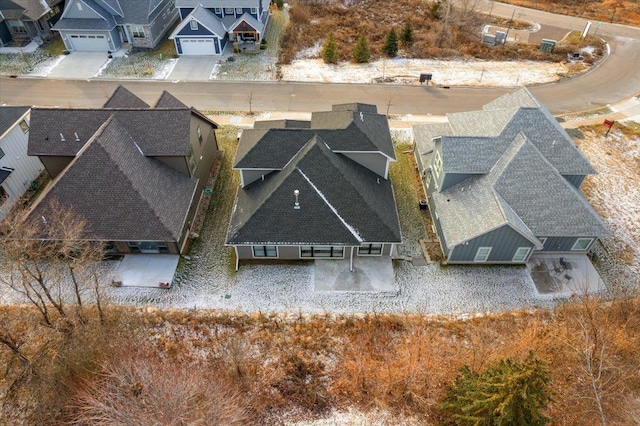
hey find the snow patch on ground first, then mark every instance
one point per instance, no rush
(165, 69)
(455, 72)
(354, 417)
(310, 52)
(44, 68)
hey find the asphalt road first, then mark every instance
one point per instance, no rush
(617, 78)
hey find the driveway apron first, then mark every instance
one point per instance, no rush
(193, 68)
(79, 65)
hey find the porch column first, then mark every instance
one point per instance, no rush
(351, 260)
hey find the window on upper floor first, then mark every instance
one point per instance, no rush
(192, 161)
(254, 10)
(437, 165)
(24, 126)
(217, 10)
(582, 244)
(199, 132)
(228, 11)
(172, 6)
(17, 26)
(238, 10)
(193, 25)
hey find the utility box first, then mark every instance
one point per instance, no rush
(547, 45)
(489, 39)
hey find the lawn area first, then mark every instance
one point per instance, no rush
(55, 47)
(402, 174)
(22, 63)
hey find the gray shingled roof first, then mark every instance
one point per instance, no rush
(114, 5)
(282, 124)
(217, 3)
(519, 98)
(84, 24)
(269, 148)
(512, 193)
(206, 18)
(423, 141)
(123, 98)
(253, 22)
(480, 123)
(341, 202)
(122, 194)
(9, 115)
(167, 100)
(33, 9)
(158, 132)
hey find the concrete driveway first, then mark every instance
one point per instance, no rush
(193, 68)
(79, 65)
(370, 274)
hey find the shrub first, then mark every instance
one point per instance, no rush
(361, 52)
(330, 51)
(391, 44)
(406, 36)
(280, 4)
(510, 393)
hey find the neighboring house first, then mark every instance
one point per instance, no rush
(17, 169)
(25, 20)
(316, 190)
(103, 25)
(135, 173)
(504, 182)
(207, 25)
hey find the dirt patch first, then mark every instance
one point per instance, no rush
(619, 11)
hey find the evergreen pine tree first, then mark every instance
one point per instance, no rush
(330, 51)
(406, 36)
(361, 53)
(391, 44)
(509, 393)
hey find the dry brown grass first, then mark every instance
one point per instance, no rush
(622, 11)
(260, 366)
(312, 21)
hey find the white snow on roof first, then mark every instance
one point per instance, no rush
(333, 209)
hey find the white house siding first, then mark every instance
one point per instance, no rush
(26, 168)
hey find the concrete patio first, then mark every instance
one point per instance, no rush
(564, 274)
(146, 270)
(370, 274)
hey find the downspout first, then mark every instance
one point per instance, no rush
(351, 260)
(237, 258)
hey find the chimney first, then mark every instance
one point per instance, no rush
(296, 206)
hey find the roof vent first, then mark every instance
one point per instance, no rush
(296, 206)
(77, 137)
(62, 139)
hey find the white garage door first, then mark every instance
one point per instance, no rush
(89, 43)
(197, 46)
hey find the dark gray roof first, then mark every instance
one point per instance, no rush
(113, 5)
(524, 191)
(123, 98)
(136, 11)
(269, 148)
(84, 24)
(122, 194)
(282, 124)
(167, 100)
(33, 9)
(341, 203)
(220, 3)
(253, 22)
(9, 115)
(158, 132)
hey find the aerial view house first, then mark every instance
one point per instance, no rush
(22, 21)
(207, 25)
(104, 25)
(504, 182)
(316, 190)
(134, 172)
(17, 169)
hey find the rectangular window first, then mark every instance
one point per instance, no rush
(192, 161)
(217, 10)
(172, 6)
(193, 25)
(199, 132)
(437, 165)
(322, 251)
(163, 248)
(521, 254)
(427, 179)
(370, 250)
(254, 10)
(17, 27)
(582, 244)
(482, 254)
(133, 246)
(24, 126)
(137, 31)
(543, 240)
(265, 251)
(238, 10)
(228, 11)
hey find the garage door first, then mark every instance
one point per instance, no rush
(89, 43)
(198, 46)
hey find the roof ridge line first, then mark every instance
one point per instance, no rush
(350, 228)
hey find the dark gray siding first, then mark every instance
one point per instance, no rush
(561, 244)
(249, 176)
(184, 12)
(188, 32)
(72, 12)
(575, 180)
(504, 242)
(55, 164)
